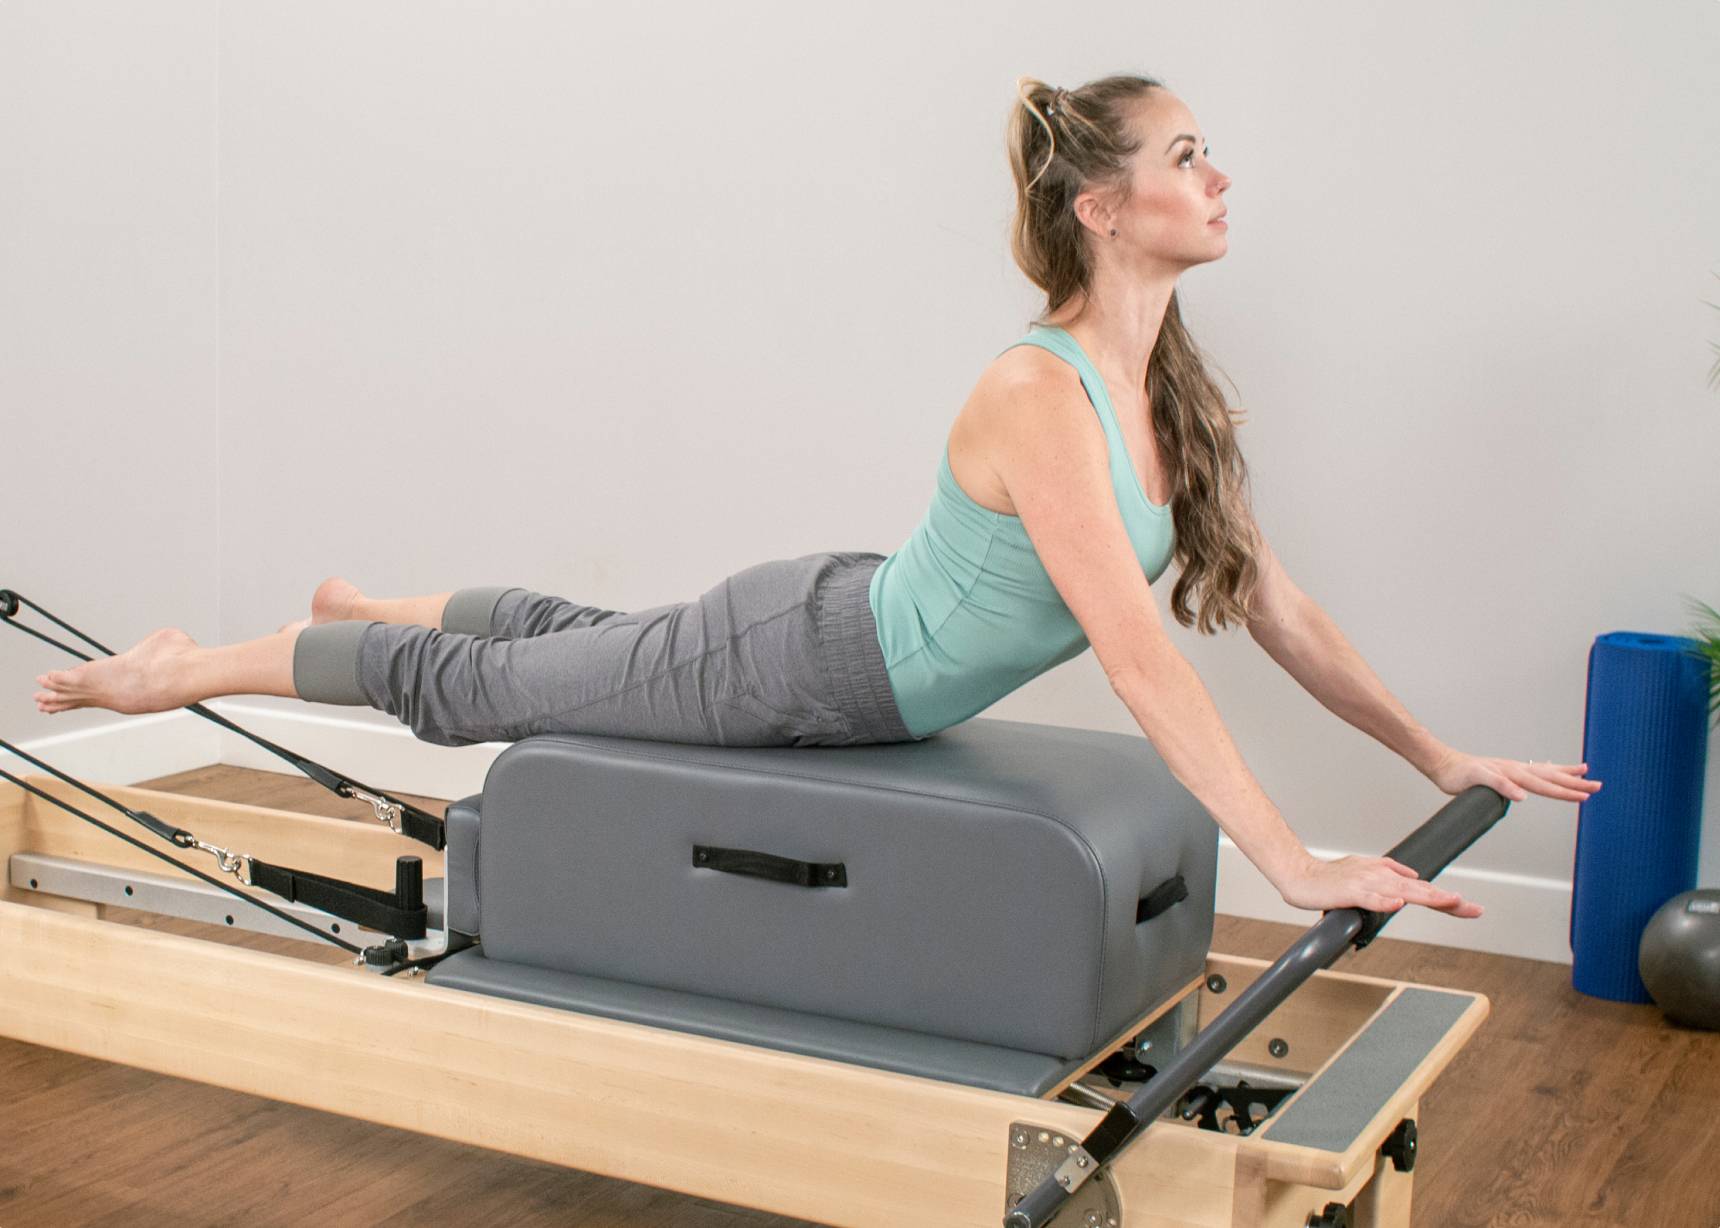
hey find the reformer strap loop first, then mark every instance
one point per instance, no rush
(386, 912)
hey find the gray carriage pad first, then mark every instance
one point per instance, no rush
(842, 1040)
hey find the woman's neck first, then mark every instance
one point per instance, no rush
(1118, 330)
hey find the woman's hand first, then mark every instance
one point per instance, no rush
(1455, 771)
(1379, 884)
(1382, 884)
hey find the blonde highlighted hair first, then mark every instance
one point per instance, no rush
(1062, 143)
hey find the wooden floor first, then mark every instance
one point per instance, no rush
(1563, 1112)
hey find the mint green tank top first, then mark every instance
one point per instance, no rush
(965, 610)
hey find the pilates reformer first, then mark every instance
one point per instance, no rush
(954, 982)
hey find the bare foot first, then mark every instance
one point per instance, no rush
(334, 601)
(145, 678)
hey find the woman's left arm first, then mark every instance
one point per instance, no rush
(1298, 635)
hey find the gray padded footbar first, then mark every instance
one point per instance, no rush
(993, 875)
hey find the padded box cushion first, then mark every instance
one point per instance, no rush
(992, 876)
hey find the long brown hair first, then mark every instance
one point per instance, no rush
(1061, 142)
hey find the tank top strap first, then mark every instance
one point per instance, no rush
(1060, 343)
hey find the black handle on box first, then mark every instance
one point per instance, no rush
(769, 866)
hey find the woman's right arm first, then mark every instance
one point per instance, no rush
(1174, 709)
(1048, 448)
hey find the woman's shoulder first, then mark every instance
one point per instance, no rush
(991, 421)
(1023, 367)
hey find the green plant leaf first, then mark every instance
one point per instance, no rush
(1707, 647)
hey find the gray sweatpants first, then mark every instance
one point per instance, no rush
(783, 653)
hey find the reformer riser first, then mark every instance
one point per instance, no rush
(704, 1116)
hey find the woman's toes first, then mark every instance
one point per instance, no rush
(51, 700)
(334, 600)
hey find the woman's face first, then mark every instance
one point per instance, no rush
(1177, 191)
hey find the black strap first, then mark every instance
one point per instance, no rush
(1171, 891)
(769, 865)
(399, 913)
(422, 827)
(419, 825)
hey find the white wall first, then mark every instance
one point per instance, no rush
(108, 330)
(613, 305)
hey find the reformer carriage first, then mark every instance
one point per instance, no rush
(954, 982)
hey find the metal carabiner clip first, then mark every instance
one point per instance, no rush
(387, 813)
(237, 864)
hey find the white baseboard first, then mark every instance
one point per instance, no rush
(1525, 916)
(125, 751)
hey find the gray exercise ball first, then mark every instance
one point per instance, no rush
(1679, 959)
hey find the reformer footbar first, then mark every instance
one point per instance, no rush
(1428, 851)
(394, 813)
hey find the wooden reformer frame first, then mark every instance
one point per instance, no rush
(686, 1112)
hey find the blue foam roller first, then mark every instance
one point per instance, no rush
(1645, 738)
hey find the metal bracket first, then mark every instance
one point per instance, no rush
(1036, 1152)
(173, 895)
(1170, 1033)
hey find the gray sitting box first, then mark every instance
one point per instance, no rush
(989, 906)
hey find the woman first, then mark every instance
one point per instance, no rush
(1090, 453)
